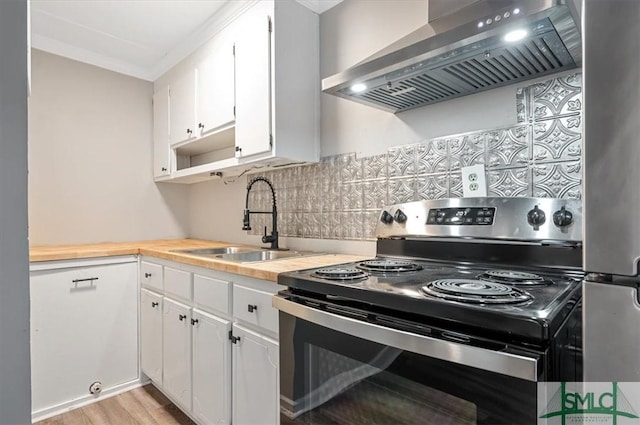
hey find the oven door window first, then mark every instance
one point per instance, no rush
(329, 377)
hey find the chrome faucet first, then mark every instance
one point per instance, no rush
(246, 224)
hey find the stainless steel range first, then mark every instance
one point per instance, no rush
(468, 304)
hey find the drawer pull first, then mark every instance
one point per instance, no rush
(147, 275)
(194, 322)
(154, 304)
(252, 308)
(89, 279)
(182, 317)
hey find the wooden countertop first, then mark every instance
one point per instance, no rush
(266, 270)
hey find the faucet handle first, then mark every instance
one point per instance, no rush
(268, 239)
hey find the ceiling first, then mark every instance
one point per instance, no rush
(141, 38)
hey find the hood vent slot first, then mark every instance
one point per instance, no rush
(461, 53)
(506, 65)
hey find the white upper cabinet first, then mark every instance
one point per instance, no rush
(230, 111)
(182, 107)
(161, 158)
(215, 99)
(253, 85)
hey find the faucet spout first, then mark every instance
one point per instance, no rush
(246, 223)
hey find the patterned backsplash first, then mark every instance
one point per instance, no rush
(341, 197)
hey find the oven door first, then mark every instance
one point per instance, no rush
(342, 370)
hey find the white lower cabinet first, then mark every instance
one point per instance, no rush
(188, 317)
(216, 381)
(84, 317)
(176, 351)
(211, 369)
(255, 378)
(151, 335)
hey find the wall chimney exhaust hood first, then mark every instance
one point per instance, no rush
(468, 46)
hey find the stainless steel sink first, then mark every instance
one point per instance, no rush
(208, 252)
(263, 255)
(241, 254)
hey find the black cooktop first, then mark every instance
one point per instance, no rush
(527, 304)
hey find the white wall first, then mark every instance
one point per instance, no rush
(90, 158)
(15, 383)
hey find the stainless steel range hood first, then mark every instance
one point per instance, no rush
(462, 50)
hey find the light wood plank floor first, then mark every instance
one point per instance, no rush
(141, 406)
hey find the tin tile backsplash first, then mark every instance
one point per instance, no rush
(341, 197)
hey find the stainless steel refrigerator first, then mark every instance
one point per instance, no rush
(611, 72)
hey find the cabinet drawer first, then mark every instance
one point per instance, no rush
(151, 275)
(254, 306)
(177, 283)
(211, 294)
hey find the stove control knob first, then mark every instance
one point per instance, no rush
(400, 217)
(386, 218)
(536, 217)
(562, 217)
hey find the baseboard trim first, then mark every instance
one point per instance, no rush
(85, 400)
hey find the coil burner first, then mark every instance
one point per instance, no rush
(475, 291)
(340, 274)
(510, 277)
(389, 266)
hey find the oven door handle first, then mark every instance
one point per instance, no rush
(513, 365)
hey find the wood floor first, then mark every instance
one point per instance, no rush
(141, 406)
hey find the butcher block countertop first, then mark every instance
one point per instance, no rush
(266, 270)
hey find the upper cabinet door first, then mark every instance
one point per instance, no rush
(161, 132)
(215, 86)
(253, 84)
(182, 108)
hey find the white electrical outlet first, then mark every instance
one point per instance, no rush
(474, 181)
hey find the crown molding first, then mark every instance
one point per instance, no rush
(216, 23)
(319, 6)
(86, 56)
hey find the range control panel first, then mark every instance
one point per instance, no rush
(461, 216)
(523, 219)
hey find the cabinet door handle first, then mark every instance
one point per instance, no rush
(252, 308)
(200, 125)
(232, 338)
(147, 275)
(189, 131)
(164, 169)
(89, 279)
(182, 317)
(154, 304)
(194, 322)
